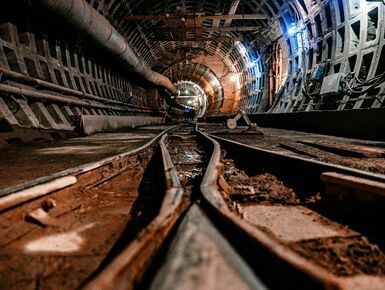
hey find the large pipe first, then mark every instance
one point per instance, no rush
(82, 16)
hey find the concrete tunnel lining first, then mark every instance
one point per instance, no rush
(120, 166)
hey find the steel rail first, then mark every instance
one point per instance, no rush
(127, 269)
(302, 272)
(79, 169)
(312, 168)
(348, 189)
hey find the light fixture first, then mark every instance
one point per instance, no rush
(234, 77)
(292, 30)
(241, 48)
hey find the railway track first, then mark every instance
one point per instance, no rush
(59, 230)
(189, 210)
(315, 218)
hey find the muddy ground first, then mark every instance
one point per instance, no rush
(87, 227)
(263, 187)
(343, 256)
(360, 154)
(280, 210)
(21, 162)
(189, 159)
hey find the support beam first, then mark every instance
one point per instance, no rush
(218, 39)
(200, 17)
(232, 11)
(209, 29)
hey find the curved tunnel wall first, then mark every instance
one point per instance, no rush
(204, 77)
(344, 39)
(55, 76)
(274, 64)
(342, 35)
(155, 52)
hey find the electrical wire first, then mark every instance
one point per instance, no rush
(352, 85)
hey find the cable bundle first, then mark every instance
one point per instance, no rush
(354, 85)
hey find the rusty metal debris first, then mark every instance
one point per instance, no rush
(42, 217)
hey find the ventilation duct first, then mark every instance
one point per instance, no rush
(82, 16)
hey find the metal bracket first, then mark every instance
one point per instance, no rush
(232, 123)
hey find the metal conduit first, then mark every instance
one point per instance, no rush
(12, 90)
(88, 21)
(60, 89)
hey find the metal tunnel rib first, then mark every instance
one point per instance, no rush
(88, 21)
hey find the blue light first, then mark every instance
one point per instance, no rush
(292, 30)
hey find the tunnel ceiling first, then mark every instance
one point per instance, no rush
(225, 36)
(156, 28)
(262, 56)
(268, 55)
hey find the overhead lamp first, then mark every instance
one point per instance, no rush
(292, 30)
(234, 77)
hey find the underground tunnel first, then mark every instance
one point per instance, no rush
(184, 144)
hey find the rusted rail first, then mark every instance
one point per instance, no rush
(351, 191)
(44, 207)
(129, 267)
(203, 214)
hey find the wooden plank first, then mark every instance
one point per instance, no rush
(355, 183)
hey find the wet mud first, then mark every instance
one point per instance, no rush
(93, 223)
(341, 151)
(189, 158)
(343, 256)
(262, 187)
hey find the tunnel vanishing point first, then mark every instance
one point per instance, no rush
(62, 59)
(185, 144)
